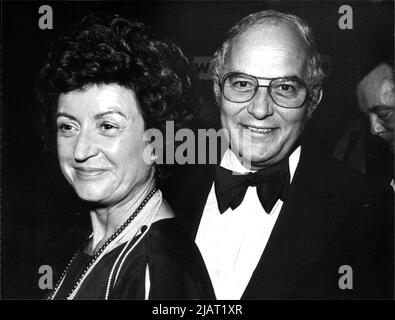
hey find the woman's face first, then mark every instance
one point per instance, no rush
(100, 142)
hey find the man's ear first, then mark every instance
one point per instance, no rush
(216, 89)
(320, 95)
(317, 97)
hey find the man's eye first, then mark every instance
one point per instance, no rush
(384, 114)
(287, 90)
(286, 87)
(242, 85)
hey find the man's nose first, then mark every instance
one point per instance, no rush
(85, 147)
(261, 105)
(376, 127)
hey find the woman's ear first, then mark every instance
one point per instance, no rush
(154, 157)
(154, 147)
(149, 152)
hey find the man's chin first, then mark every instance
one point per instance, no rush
(256, 162)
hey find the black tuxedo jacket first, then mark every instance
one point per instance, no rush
(333, 217)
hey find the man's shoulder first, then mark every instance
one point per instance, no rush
(334, 176)
(191, 179)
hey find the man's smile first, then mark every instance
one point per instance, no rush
(263, 130)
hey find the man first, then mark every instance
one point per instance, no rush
(301, 226)
(376, 99)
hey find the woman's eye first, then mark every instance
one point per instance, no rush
(66, 129)
(109, 128)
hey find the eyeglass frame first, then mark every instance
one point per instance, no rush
(226, 75)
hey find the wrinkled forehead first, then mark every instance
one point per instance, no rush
(269, 49)
(377, 88)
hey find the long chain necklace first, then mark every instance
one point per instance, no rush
(91, 264)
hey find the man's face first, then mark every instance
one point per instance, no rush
(270, 131)
(376, 98)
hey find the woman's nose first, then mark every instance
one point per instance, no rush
(85, 147)
(261, 105)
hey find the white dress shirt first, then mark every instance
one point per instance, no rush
(233, 242)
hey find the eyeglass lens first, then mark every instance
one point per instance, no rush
(287, 93)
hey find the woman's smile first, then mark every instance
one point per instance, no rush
(88, 172)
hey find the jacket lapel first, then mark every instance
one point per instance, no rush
(190, 202)
(304, 226)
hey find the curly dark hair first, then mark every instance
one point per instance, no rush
(106, 49)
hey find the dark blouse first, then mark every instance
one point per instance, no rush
(176, 269)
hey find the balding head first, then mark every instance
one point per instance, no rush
(287, 24)
(270, 40)
(376, 98)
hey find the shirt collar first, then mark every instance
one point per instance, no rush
(231, 162)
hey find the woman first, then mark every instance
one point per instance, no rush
(105, 85)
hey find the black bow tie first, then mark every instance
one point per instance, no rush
(271, 184)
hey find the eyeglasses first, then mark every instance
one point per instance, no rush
(285, 92)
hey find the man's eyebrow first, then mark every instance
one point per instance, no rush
(287, 76)
(292, 76)
(380, 107)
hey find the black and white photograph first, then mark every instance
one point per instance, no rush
(214, 151)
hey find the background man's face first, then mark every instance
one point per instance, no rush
(376, 98)
(265, 50)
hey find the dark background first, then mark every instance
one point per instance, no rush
(39, 225)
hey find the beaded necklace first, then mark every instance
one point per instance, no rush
(95, 258)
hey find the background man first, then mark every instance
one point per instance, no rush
(376, 100)
(274, 219)
(376, 97)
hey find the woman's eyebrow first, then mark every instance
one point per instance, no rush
(65, 114)
(102, 114)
